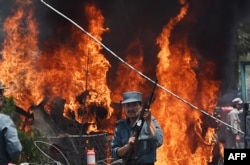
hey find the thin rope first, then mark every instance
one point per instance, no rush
(140, 73)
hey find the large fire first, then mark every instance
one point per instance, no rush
(75, 66)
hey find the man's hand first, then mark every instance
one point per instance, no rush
(131, 140)
(126, 148)
(147, 115)
(150, 124)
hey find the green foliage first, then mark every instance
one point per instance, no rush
(9, 106)
(30, 152)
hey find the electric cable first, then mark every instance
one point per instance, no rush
(140, 73)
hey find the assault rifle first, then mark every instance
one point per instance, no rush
(140, 122)
(147, 104)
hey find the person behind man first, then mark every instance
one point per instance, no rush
(10, 145)
(234, 139)
(125, 145)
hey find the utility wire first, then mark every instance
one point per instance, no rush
(140, 73)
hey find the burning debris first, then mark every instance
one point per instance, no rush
(90, 118)
(67, 77)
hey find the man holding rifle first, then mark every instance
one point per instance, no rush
(132, 146)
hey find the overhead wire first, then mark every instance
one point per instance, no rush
(139, 72)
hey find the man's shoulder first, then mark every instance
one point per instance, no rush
(2, 115)
(121, 122)
(233, 111)
(4, 118)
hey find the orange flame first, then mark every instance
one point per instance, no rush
(65, 72)
(176, 70)
(20, 47)
(77, 67)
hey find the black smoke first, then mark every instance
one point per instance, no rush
(211, 24)
(216, 38)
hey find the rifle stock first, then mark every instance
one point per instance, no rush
(140, 121)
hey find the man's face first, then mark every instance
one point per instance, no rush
(239, 106)
(132, 109)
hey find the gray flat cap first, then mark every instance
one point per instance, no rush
(132, 96)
